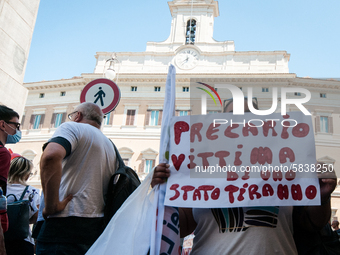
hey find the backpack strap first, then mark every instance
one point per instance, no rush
(15, 198)
(23, 193)
(118, 157)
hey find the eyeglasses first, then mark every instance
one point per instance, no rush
(71, 114)
(17, 125)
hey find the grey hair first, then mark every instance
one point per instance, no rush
(92, 112)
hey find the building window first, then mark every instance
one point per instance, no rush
(63, 93)
(148, 165)
(157, 89)
(133, 88)
(107, 119)
(323, 95)
(324, 124)
(130, 117)
(185, 89)
(191, 32)
(154, 118)
(37, 120)
(297, 94)
(211, 112)
(41, 95)
(183, 113)
(58, 119)
(265, 89)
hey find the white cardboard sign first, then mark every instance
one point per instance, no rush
(223, 160)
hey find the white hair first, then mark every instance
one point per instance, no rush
(92, 112)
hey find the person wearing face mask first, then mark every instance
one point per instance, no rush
(9, 133)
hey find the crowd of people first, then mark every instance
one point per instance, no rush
(75, 168)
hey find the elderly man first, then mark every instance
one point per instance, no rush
(76, 167)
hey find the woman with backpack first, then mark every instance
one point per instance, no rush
(17, 189)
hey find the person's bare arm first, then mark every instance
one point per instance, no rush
(186, 219)
(2, 242)
(50, 172)
(314, 218)
(34, 218)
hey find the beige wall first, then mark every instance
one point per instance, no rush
(17, 21)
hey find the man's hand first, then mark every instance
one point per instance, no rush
(160, 174)
(326, 188)
(327, 181)
(58, 208)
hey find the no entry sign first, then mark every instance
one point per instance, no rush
(103, 92)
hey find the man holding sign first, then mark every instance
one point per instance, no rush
(257, 215)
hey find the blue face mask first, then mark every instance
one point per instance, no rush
(14, 138)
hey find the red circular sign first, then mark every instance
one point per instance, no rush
(103, 92)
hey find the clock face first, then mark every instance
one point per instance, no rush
(187, 59)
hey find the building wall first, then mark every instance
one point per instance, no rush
(17, 21)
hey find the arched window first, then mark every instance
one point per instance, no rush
(191, 32)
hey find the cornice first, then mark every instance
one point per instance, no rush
(289, 79)
(62, 83)
(198, 46)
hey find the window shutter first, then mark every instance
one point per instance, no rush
(32, 120)
(63, 117)
(330, 125)
(111, 118)
(130, 117)
(317, 124)
(42, 120)
(54, 116)
(141, 166)
(160, 117)
(153, 164)
(177, 113)
(23, 121)
(147, 117)
(189, 112)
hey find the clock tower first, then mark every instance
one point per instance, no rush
(192, 24)
(193, 50)
(194, 19)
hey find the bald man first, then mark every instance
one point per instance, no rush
(76, 167)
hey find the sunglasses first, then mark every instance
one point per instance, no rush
(17, 125)
(71, 114)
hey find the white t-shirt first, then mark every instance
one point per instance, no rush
(247, 231)
(86, 171)
(17, 190)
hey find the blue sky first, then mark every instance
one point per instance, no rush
(68, 33)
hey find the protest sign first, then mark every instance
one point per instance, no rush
(223, 160)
